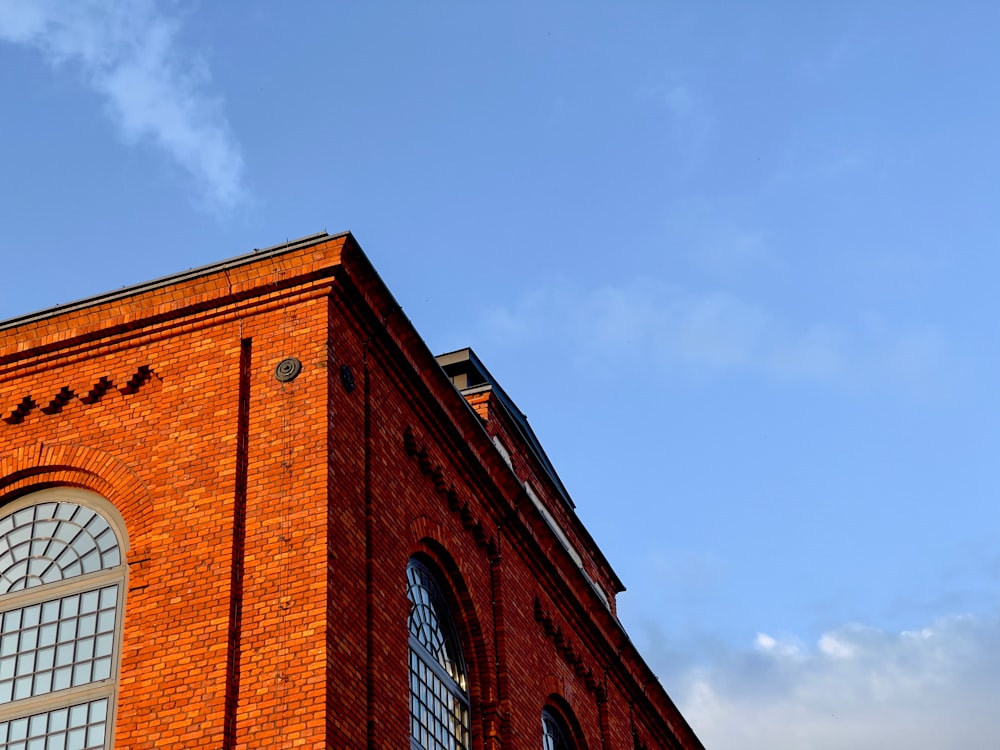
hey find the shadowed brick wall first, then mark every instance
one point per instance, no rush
(270, 523)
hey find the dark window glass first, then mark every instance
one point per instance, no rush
(439, 693)
(554, 737)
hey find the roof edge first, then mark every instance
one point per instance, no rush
(531, 440)
(192, 273)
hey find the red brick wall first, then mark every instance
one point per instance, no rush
(267, 603)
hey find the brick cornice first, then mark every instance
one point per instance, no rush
(255, 285)
(574, 656)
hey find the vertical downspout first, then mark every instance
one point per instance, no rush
(602, 711)
(233, 646)
(635, 731)
(369, 559)
(499, 641)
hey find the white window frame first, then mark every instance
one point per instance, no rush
(72, 696)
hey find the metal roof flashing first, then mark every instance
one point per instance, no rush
(470, 375)
(193, 273)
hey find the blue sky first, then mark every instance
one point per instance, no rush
(735, 261)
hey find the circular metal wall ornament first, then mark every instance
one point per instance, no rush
(287, 370)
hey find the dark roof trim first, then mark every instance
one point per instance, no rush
(518, 417)
(193, 273)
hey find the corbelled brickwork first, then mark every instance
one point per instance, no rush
(270, 522)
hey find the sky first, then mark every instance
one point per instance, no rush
(735, 261)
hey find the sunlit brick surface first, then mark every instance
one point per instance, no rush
(265, 601)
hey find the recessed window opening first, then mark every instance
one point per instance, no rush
(554, 736)
(61, 589)
(439, 689)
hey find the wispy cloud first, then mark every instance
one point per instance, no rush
(677, 98)
(856, 687)
(689, 121)
(847, 50)
(664, 326)
(127, 51)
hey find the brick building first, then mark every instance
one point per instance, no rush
(245, 507)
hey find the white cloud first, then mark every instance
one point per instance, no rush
(835, 648)
(830, 62)
(676, 97)
(126, 50)
(679, 100)
(770, 644)
(860, 688)
(765, 642)
(653, 324)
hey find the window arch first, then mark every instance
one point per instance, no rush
(554, 734)
(62, 576)
(439, 686)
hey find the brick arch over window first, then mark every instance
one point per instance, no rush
(467, 617)
(79, 466)
(560, 729)
(62, 589)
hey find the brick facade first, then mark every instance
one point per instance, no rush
(270, 523)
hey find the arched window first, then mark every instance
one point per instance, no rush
(554, 736)
(439, 689)
(62, 577)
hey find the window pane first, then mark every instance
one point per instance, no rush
(19, 729)
(43, 683)
(36, 724)
(62, 678)
(88, 601)
(78, 715)
(22, 687)
(86, 625)
(50, 611)
(106, 621)
(30, 616)
(26, 663)
(70, 606)
(104, 645)
(18, 536)
(47, 633)
(102, 669)
(29, 639)
(59, 719)
(46, 658)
